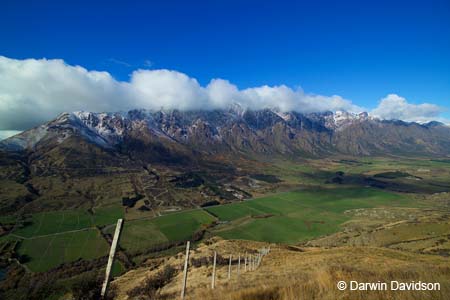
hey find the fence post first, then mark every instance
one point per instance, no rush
(245, 262)
(213, 281)
(112, 253)
(239, 265)
(186, 262)
(229, 269)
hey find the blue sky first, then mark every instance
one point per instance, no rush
(360, 50)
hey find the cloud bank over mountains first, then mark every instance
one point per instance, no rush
(33, 91)
(395, 107)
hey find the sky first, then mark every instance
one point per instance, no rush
(391, 58)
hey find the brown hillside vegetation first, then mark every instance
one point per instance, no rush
(288, 273)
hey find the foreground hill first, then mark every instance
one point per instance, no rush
(287, 273)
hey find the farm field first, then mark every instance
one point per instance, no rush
(296, 216)
(139, 235)
(46, 223)
(48, 252)
(49, 239)
(57, 237)
(426, 175)
(290, 217)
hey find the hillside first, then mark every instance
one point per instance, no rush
(399, 243)
(288, 273)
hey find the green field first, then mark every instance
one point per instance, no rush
(413, 166)
(425, 176)
(139, 235)
(48, 252)
(53, 238)
(180, 226)
(56, 237)
(60, 221)
(298, 215)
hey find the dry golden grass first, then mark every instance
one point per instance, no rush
(290, 273)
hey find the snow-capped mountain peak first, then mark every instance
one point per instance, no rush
(265, 131)
(342, 119)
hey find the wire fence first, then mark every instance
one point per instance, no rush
(239, 262)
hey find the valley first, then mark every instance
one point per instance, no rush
(312, 203)
(264, 178)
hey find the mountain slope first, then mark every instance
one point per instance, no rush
(287, 272)
(176, 133)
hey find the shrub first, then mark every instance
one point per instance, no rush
(151, 285)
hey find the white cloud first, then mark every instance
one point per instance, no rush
(33, 91)
(168, 89)
(396, 107)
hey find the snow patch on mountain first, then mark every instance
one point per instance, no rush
(342, 119)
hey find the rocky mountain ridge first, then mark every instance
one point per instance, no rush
(244, 131)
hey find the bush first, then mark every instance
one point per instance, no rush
(87, 287)
(149, 289)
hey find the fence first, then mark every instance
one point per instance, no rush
(251, 263)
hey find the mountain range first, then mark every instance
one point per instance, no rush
(178, 135)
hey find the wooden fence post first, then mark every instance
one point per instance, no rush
(245, 262)
(229, 269)
(239, 265)
(185, 272)
(112, 253)
(213, 281)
